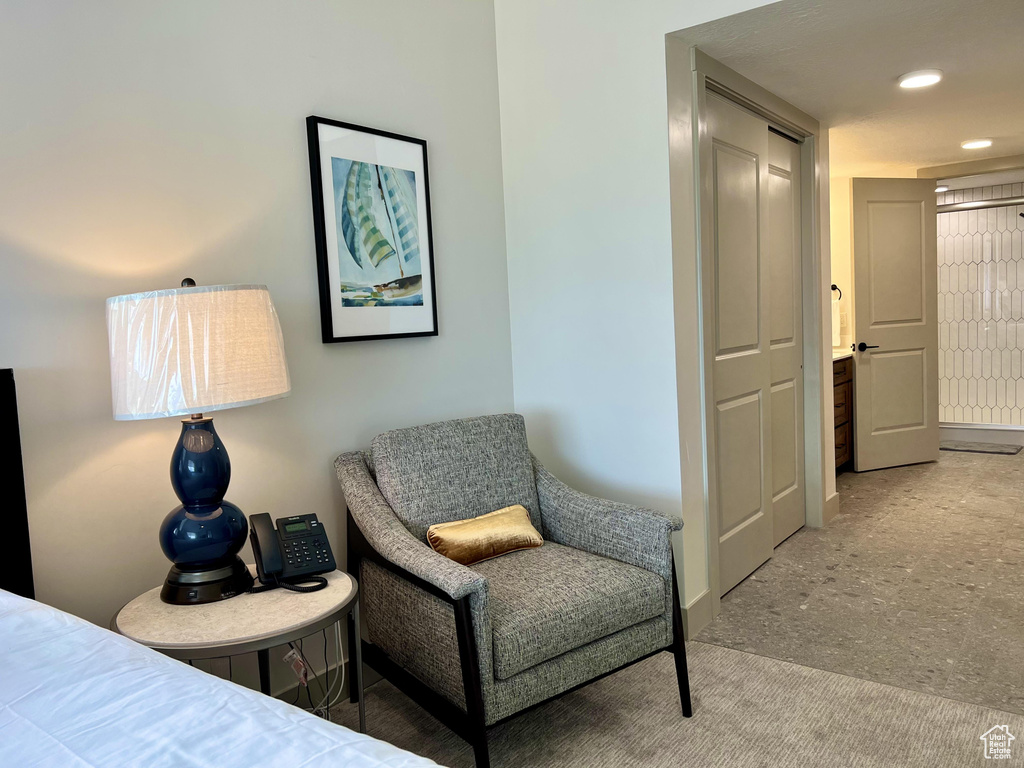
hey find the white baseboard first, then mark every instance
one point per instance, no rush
(831, 508)
(697, 615)
(983, 433)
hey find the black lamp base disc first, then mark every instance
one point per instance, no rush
(197, 587)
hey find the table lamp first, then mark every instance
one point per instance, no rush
(185, 352)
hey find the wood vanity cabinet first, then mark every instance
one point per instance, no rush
(842, 398)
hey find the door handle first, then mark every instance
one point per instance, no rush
(862, 346)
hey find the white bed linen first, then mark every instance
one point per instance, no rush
(75, 695)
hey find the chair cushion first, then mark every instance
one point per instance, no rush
(547, 601)
(455, 470)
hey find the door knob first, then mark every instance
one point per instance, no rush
(862, 346)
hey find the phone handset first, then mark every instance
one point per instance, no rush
(266, 547)
(270, 568)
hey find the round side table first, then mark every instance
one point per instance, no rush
(246, 623)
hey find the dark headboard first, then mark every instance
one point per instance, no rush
(15, 555)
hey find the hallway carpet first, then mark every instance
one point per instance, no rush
(749, 711)
(919, 583)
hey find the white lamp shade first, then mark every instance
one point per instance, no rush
(194, 350)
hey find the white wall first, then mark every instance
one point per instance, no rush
(841, 213)
(587, 209)
(145, 142)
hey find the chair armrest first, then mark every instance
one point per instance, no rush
(391, 540)
(630, 534)
(420, 620)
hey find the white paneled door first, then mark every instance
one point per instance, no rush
(896, 385)
(752, 317)
(785, 327)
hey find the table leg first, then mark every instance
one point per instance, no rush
(358, 681)
(263, 658)
(353, 694)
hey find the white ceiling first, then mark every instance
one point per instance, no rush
(839, 60)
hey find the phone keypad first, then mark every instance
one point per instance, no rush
(307, 552)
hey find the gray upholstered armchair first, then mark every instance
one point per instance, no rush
(475, 645)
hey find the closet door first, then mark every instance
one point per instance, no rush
(785, 326)
(738, 319)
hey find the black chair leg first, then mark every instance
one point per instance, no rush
(683, 678)
(481, 755)
(679, 649)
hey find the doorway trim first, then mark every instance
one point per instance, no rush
(692, 210)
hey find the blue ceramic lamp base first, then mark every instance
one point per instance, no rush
(203, 536)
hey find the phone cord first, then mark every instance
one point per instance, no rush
(318, 583)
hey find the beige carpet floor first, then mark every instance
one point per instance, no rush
(748, 711)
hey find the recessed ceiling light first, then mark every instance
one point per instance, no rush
(976, 144)
(922, 78)
(941, 188)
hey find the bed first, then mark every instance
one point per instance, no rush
(75, 695)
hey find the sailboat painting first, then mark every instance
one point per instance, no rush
(378, 235)
(371, 219)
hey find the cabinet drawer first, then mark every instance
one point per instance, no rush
(843, 434)
(842, 401)
(842, 371)
(842, 405)
(839, 396)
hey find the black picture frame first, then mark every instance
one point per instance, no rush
(328, 324)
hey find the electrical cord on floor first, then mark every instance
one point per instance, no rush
(298, 690)
(310, 668)
(330, 697)
(323, 708)
(327, 675)
(339, 667)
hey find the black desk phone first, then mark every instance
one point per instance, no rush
(292, 553)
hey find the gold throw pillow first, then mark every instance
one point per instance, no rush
(486, 536)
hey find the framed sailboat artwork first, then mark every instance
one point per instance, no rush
(371, 218)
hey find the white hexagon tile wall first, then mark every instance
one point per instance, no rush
(981, 310)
